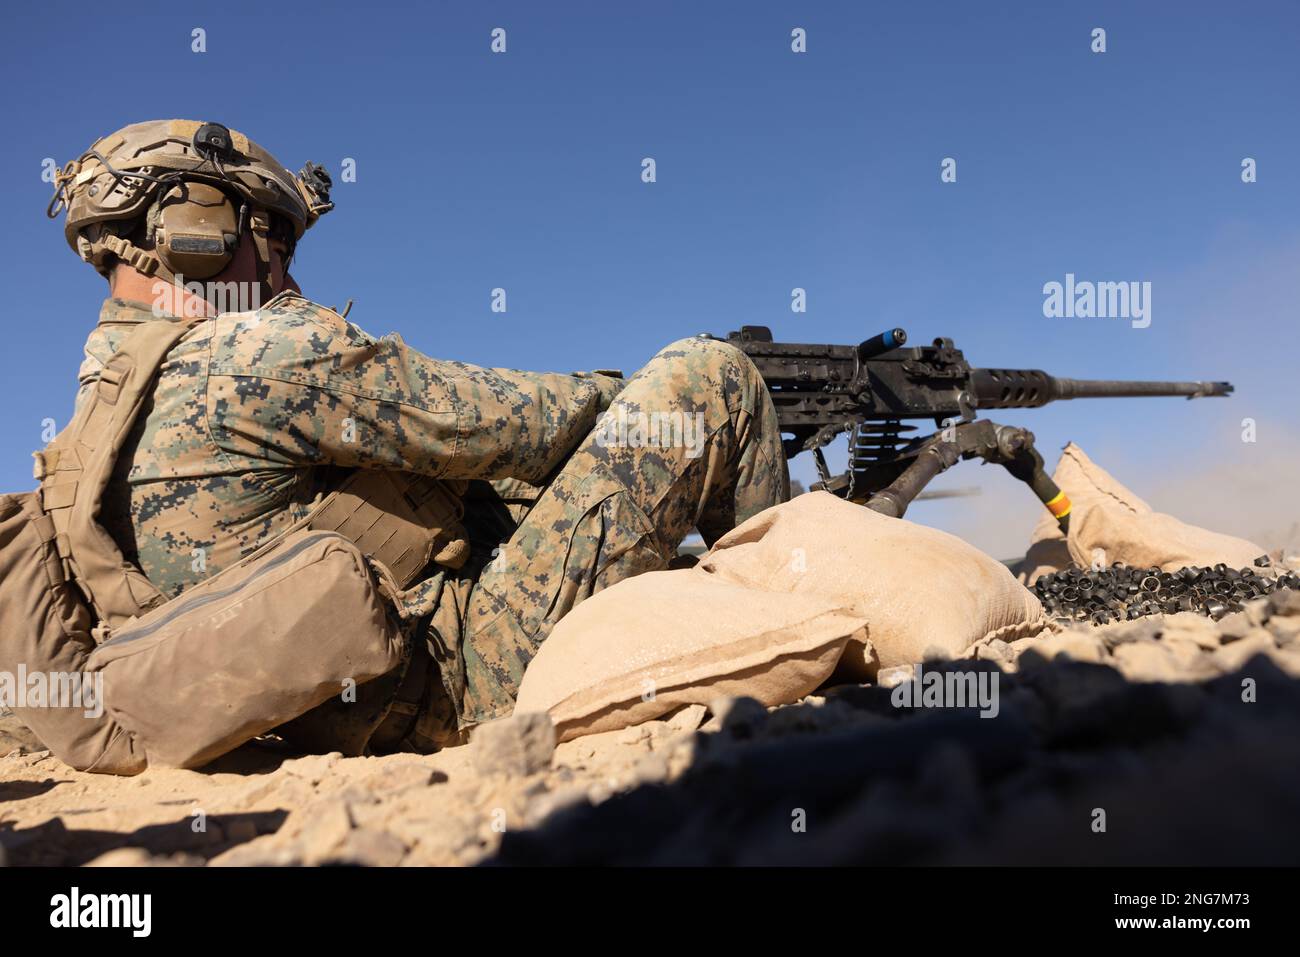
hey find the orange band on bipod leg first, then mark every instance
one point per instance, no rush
(1059, 506)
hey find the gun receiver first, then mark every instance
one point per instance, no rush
(821, 391)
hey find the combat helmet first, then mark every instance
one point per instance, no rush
(172, 197)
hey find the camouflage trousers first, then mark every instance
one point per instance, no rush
(690, 442)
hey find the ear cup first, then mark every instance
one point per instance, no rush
(197, 231)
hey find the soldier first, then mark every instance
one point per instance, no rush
(546, 487)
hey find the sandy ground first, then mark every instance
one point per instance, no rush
(1147, 719)
(260, 806)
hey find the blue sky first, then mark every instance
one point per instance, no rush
(774, 170)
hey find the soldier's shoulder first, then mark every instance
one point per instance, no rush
(289, 324)
(295, 307)
(283, 315)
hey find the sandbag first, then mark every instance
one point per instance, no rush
(920, 589)
(1110, 523)
(45, 642)
(252, 647)
(773, 611)
(651, 644)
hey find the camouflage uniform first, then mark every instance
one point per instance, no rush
(255, 415)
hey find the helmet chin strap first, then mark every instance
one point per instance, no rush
(259, 224)
(138, 259)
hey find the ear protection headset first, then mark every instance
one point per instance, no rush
(196, 230)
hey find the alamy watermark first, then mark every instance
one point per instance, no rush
(130, 911)
(53, 689)
(949, 689)
(191, 297)
(1098, 300)
(621, 427)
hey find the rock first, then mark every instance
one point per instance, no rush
(1190, 626)
(599, 792)
(398, 776)
(313, 769)
(1060, 686)
(1234, 627)
(682, 753)
(239, 830)
(1076, 644)
(1232, 657)
(552, 802)
(370, 848)
(264, 852)
(356, 795)
(634, 735)
(1017, 648)
(16, 736)
(584, 749)
(688, 718)
(518, 745)
(1123, 632)
(319, 828)
(995, 650)
(1285, 601)
(1032, 660)
(805, 718)
(651, 769)
(139, 857)
(1148, 661)
(1187, 652)
(30, 759)
(895, 676)
(741, 716)
(1257, 611)
(1284, 630)
(1288, 659)
(278, 790)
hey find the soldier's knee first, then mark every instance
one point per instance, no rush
(705, 375)
(716, 359)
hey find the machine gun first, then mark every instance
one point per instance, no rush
(867, 390)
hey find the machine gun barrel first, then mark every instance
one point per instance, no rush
(1031, 388)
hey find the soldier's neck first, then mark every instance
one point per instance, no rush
(165, 298)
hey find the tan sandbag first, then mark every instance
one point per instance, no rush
(919, 588)
(653, 643)
(254, 646)
(1110, 523)
(1087, 487)
(772, 611)
(1089, 484)
(1153, 540)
